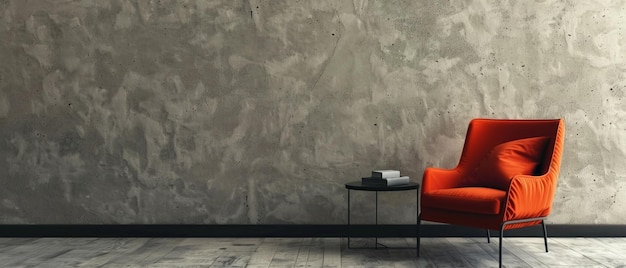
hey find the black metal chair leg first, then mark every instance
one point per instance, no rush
(545, 234)
(543, 224)
(500, 250)
(488, 236)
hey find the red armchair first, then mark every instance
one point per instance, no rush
(505, 179)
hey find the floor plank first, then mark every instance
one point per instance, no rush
(309, 252)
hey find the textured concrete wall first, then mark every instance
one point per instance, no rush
(232, 111)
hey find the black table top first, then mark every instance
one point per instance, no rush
(357, 185)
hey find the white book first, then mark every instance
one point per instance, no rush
(397, 181)
(386, 173)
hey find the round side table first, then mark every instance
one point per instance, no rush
(359, 186)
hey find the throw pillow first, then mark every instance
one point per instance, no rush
(508, 159)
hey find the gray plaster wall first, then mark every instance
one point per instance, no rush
(258, 112)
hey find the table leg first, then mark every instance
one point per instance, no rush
(376, 221)
(349, 229)
(418, 221)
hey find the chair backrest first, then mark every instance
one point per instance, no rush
(484, 134)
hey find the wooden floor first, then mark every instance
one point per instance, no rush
(307, 252)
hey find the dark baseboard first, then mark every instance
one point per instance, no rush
(296, 230)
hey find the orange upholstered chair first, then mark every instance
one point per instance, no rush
(505, 179)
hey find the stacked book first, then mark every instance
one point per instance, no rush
(385, 178)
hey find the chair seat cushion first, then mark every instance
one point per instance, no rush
(466, 199)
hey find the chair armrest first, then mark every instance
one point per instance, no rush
(439, 178)
(530, 196)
